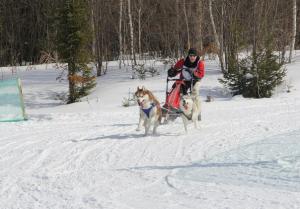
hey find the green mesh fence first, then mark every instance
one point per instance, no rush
(11, 101)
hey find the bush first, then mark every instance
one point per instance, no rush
(140, 71)
(255, 76)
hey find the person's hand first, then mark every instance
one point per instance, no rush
(172, 72)
(171, 69)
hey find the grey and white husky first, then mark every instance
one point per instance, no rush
(190, 106)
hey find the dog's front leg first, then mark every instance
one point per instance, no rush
(155, 125)
(195, 120)
(185, 121)
(147, 127)
(141, 122)
(198, 104)
(196, 123)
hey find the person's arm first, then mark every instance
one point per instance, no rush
(173, 71)
(199, 72)
(179, 64)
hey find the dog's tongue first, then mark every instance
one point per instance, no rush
(186, 107)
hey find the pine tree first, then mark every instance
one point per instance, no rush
(255, 76)
(73, 37)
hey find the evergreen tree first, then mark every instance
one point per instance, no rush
(73, 39)
(255, 76)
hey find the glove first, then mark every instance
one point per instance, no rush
(172, 72)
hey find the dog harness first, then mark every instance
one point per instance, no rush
(189, 117)
(147, 111)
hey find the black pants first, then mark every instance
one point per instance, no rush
(186, 88)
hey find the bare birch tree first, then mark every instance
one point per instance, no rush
(293, 40)
(217, 41)
(140, 27)
(120, 34)
(131, 33)
(198, 25)
(186, 24)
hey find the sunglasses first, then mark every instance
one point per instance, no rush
(192, 55)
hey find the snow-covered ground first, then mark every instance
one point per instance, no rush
(246, 153)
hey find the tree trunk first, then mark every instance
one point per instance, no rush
(71, 70)
(254, 40)
(140, 28)
(178, 49)
(98, 17)
(213, 23)
(222, 37)
(220, 52)
(198, 25)
(131, 34)
(187, 25)
(98, 54)
(120, 34)
(293, 40)
(92, 19)
(95, 29)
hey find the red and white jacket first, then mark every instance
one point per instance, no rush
(198, 71)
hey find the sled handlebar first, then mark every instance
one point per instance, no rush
(177, 79)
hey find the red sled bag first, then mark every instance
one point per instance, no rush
(173, 96)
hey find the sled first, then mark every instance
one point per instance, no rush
(171, 108)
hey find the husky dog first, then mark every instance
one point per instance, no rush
(190, 110)
(150, 111)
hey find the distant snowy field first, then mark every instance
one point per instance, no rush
(246, 153)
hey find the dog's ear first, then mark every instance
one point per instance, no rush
(139, 88)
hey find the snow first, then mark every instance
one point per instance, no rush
(88, 155)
